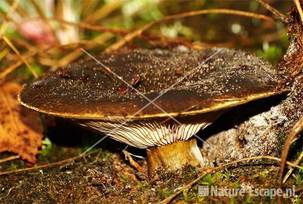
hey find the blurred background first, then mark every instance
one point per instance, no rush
(38, 35)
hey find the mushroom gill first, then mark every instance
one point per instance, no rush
(146, 134)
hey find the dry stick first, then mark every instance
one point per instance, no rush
(298, 127)
(20, 56)
(9, 158)
(139, 31)
(214, 169)
(298, 5)
(274, 11)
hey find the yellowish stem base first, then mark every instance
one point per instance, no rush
(174, 156)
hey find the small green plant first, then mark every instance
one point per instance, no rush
(46, 147)
(271, 53)
(164, 192)
(299, 177)
(297, 200)
(207, 180)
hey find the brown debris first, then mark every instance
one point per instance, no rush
(20, 129)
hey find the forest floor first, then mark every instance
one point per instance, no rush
(105, 176)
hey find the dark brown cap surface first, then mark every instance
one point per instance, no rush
(216, 78)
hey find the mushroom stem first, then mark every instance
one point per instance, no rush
(174, 156)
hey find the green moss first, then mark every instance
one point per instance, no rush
(164, 192)
(272, 53)
(46, 147)
(297, 200)
(299, 178)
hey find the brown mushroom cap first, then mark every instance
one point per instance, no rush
(221, 78)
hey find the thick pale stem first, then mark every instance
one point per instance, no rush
(174, 156)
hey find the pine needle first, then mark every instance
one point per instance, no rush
(295, 131)
(299, 8)
(10, 44)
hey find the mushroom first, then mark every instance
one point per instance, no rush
(154, 99)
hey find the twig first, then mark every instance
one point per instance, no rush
(295, 131)
(58, 163)
(214, 169)
(274, 11)
(8, 192)
(9, 158)
(123, 32)
(299, 8)
(133, 162)
(139, 31)
(184, 188)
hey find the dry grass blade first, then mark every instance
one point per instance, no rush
(12, 9)
(185, 188)
(3, 53)
(139, 31)
(298, 160)
(75, 53)
(48, 165)
(20, 56)
(91, 26)
(295, 131)
(42, 15)
(123, 32)
(274, 11)
(104, 11)
(38, 9)
(134, 163)
(63, 61)
(215, 169)
(41, 166)
(299, 8)
(9, 158)
(13, 67)
(69, 57)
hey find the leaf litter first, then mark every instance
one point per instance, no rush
(20, 129)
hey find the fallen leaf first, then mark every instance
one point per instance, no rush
(20, 129)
